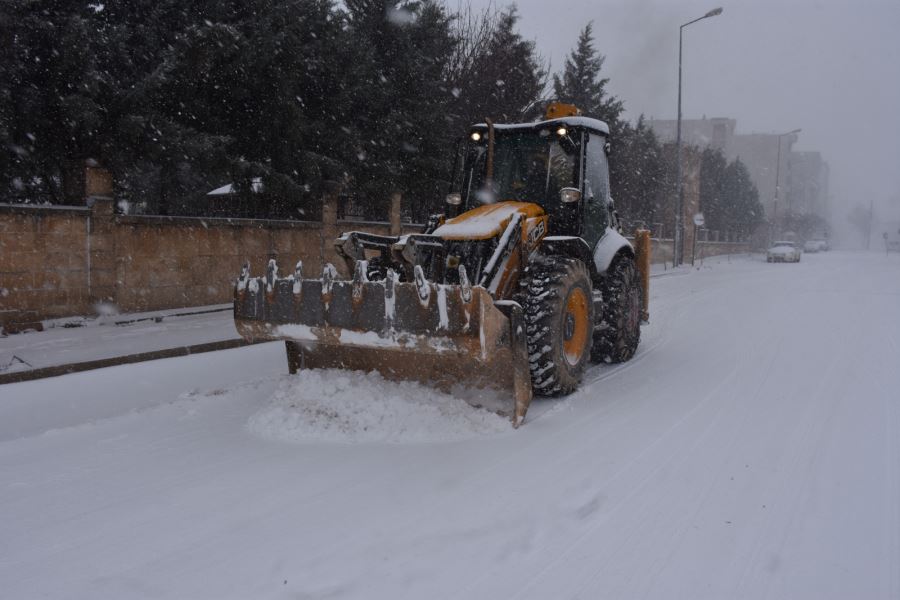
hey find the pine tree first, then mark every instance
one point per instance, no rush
(499, 74)
(582, 85)
(164, 58)
(715, 202)
(394, 98)
(744, 210)
(728, 198)
(49, 109)
(637, 173)
(211, 92)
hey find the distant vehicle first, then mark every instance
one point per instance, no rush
(811, 246)
(823, 245)
(784, 251)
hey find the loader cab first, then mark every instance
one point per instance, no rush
(559, 164)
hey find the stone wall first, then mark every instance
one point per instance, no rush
(662, 250)
(65, 261)
(164, 262)
(45, 267)
(710, 249)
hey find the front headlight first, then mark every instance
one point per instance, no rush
(569, 195)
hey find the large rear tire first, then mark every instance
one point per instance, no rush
(617, 337)
(559, 317)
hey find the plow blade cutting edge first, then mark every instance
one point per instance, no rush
(441, 335)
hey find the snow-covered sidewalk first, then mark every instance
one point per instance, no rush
(81, 341)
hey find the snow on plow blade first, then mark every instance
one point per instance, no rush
(441, 335)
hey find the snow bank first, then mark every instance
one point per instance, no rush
(356, 407)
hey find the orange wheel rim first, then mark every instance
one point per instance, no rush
(575, 326)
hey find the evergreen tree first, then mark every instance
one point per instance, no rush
(217, 92)
(715, 202)
(393, 97)
(49, 108)
(728, 198)
(744, 210)
(495, 72)
(637, 174)
(582, 85)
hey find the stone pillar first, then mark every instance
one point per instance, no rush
(330, 229)
(642, 258)
(396, 199)
(97, 182)
(101, 250)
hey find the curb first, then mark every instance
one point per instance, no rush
(57, 370)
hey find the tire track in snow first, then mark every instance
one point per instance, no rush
(802, 453)
(587, 421)
(600, 372)
(539, 442)
(677, 538)
(806, 454)
(628, 467)
(891, 540)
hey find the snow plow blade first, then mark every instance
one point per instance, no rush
(441, 335)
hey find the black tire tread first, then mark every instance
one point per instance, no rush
(613, 341)
(542, 290)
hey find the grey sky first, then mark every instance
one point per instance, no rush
(830, 67)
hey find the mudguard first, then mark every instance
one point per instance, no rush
(609, 245)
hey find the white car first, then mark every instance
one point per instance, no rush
(812, 246)
(783, 251)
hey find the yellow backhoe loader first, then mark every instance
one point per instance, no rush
(521, 283)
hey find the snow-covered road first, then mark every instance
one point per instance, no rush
(750, 450)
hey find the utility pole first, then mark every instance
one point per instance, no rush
(679, 200)
(869, 224)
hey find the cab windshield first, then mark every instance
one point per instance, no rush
(529, 166)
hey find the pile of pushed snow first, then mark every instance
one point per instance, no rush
(353, 407)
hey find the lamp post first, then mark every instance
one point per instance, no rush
(777, 182)
(679, 208)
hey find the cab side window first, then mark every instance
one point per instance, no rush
(596, 189)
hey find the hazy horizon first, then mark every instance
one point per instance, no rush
(822, 66)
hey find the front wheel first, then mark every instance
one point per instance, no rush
(559, 317)
(617, 336)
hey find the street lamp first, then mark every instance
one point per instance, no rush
(778, 180)
(679, 209)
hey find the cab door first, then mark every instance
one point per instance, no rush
(596, 189)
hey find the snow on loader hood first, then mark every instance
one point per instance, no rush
(486, 221)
